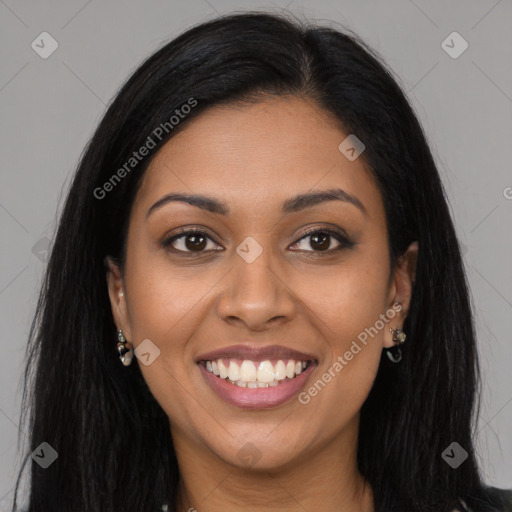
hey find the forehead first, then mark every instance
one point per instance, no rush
(257, 154)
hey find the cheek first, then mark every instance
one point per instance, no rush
(168, 305)
(344, 380)
(347, 306)
(164, 299)
(349, 297)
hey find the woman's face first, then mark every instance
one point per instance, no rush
(258, 288)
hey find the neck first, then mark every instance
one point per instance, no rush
(325, 478)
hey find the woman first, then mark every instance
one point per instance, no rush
(255, 299)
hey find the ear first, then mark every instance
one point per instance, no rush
(400, 290)
(115, 283)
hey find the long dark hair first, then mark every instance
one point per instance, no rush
(113, 440)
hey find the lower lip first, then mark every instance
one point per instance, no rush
(257, 398)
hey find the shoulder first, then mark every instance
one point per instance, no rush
(500, 499)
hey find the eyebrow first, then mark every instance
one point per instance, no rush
(295, 204)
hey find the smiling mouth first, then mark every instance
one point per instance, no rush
(256, 374)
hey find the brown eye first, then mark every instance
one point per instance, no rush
(190, 241)
(320, 241)
(195, 242)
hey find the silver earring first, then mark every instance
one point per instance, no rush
(395, 354)
(125, 349)
(399, 336)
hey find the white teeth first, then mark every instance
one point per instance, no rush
(290, 369)
(256, 375)
(223, 371)
(265, 372)
(233, 371)
(248, 371)
(280, 370)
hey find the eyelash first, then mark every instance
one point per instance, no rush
(344, 241)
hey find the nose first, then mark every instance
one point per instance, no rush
(255, 295)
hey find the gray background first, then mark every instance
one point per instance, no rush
(50, 107)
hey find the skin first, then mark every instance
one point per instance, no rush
(253, 157)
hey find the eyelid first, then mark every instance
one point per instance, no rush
(187, 231)
(339, 234)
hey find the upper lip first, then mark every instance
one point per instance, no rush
(255, 353)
